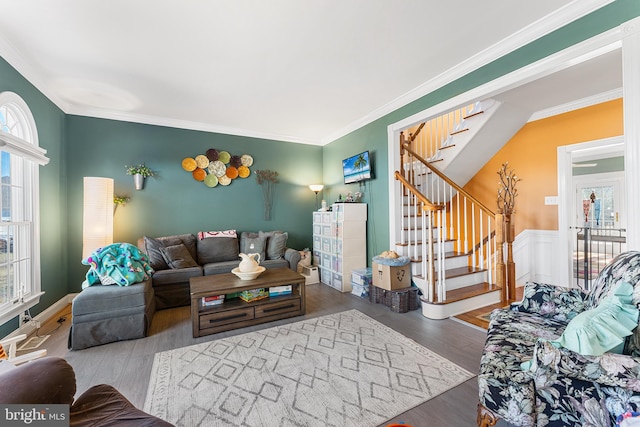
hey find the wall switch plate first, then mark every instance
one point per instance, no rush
(550, 200)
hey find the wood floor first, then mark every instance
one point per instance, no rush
(127, 365)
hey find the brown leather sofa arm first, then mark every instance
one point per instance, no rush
(49, 380)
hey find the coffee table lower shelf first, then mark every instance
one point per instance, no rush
(237, 313)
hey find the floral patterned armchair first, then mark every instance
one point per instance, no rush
(561, 387)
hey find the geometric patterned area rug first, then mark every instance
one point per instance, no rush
(344, 369)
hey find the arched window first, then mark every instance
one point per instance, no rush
(20, 158)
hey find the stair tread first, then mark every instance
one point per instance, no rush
(466, 292)
(413, 243)
(458, 272)
(447, 255)
(462, 271)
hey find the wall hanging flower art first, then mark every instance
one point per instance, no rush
(218, 167)
(266, 179)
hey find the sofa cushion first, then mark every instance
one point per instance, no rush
(152, 248)
(224, 233)
(253, 243)
(217, 249)
(276, 243)
(172, 277)
(623, 268)
(603, 328)
(109, 298)
(219, 267)
(177, 256)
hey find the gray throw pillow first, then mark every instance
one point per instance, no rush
(276, 243)
(153, 247)
(217, 249)
(251, 243)
(178, 256)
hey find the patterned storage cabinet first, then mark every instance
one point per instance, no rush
(340, 243)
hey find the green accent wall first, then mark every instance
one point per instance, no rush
(610, 164)
(50, 122)
(172, 202)
(374, 135)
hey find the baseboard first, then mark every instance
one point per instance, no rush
(47, 314)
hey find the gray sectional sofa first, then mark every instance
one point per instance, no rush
(178, 258)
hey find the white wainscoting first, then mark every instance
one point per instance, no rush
(537, 257)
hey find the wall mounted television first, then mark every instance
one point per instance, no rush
(357, 168)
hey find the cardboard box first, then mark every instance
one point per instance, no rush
(389, 278)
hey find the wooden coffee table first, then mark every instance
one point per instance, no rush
(237, 313)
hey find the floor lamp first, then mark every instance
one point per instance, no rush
(97, 214)
(316, 188)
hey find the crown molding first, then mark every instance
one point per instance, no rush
(576, 105)
(30, 73)
(563, 16)
(526, 35)
(183, 124)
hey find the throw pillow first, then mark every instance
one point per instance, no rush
(178, 256)
(217, 249)
(252, 243)
(276, 243)
(156, 260)
(603, 328)
(225, 233)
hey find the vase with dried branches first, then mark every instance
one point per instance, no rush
(266, 179)
(507, 191)
(505, 231)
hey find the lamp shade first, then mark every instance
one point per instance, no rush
(97, 214)
(316, 187)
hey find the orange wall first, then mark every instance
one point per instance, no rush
(532, 154)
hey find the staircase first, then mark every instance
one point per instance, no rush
(455, 243)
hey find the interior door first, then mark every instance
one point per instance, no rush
(599, 223)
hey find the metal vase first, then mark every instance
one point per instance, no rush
(138, 181)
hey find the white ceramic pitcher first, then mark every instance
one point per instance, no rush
(249, 263)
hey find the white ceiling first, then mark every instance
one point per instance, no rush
(302, 71)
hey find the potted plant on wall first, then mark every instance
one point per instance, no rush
(139, 172)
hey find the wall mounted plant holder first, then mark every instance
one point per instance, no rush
(138, 181)
(218, 167)
(139, 172)
(119, 201)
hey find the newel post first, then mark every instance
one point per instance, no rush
(511, 265)
(500, 266)
(507, 193)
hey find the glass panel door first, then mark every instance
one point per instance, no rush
(598, 224)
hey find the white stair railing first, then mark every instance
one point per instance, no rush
(431, 137)
(453, 223)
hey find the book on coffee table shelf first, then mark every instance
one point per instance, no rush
(254, 294)
(212, 300)
(280, 290)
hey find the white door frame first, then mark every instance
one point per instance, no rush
(567, 155)
(625, 36)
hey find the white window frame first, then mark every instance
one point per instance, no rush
(23, 143)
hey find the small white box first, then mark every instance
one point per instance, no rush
(311, 275)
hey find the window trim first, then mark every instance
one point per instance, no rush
(27, 149)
